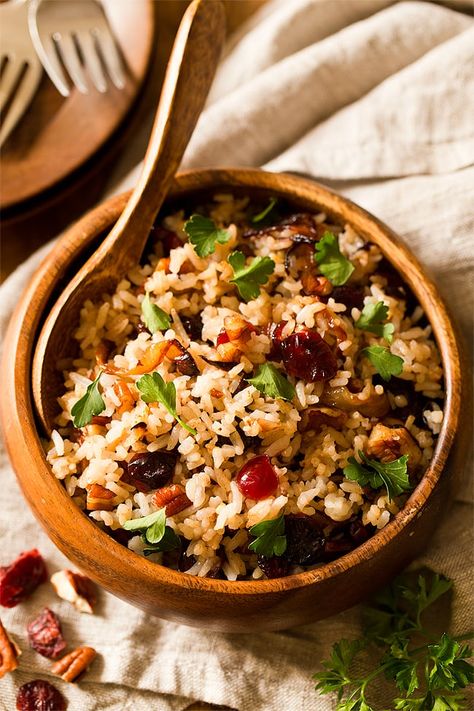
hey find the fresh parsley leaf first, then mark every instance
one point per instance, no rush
(169, 541)
(154, 318)
(438, 670)
(154, 389)
(248, 279)
(272, 383)
(265, 212)
(204, 234)
(372, 319)
(331, 262)
(155, 532)
(145, 522)
(89, 405)
(270, 537)
(384, 362)
(392, 475)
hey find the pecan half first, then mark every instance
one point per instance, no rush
(100, 499)
(173, 497)
(73, 664)
(75, 588)
(9, 653)
(390, 443)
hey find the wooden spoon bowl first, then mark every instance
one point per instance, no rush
(241, 606)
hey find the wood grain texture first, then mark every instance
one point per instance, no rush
(58, 135)
(189, 76)
(241, 606)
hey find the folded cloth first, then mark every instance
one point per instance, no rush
(375, 100)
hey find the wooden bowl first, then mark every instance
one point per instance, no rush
(241, 606)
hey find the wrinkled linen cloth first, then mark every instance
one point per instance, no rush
(374, 99)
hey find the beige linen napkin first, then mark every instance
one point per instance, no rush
(375, 100)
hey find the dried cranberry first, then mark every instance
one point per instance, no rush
(193, 326)
(39, 695)
(358, 532)
(45, 634)
(151, 470)
(168, 239)
(21, 578)
(304, 540)
(305, 355)
(222, 337)
(275, 567)
(257, 479)
(350, 296)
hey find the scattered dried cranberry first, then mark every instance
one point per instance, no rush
(45, 634)
(350, 296)
(304, 540)
(151, 470)
(21, 578)
(257, 479)
(193, 326)
(275, 567)
(305, 355)
(39, 695)
(168, 239)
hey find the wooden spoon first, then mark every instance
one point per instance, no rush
(189, 75)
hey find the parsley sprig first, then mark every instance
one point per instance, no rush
(372, 319)
(385, 363)
(90, 404)
(156, 536)
(392, 475)
(270, 537)
(154, 389)
(260, 217)
(427, 677)
(332, 263)
(272, 383)
(248, 278)
(154, 318)
(204, 234)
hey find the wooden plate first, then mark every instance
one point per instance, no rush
(58, 135)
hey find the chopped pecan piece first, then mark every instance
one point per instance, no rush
(173, 497)
(103, 351)
(75, 588)
(9, 652)
(163, 265)
(101, 420)
(125, 395)
(185, 363)
(389, 443)
(73, 664)
(100, 499)
(315, 417)
(373, 405)
(45, 634)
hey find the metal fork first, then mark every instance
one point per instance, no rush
(75, 34)
(20, 67)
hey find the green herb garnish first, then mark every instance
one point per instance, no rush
(271, 539)
(265, 212)
(154, 389)
(168, 542)
(385, 363)
(154, 318)
(204, 234)
(89, 405)
(271, 382)
(372, 319)
(428, 673)
(392, 475)
(248, 279)
(331, 262)
(155, 521)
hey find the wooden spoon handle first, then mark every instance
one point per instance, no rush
(189, 76)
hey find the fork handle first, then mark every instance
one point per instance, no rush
(189, 76)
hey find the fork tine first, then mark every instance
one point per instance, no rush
(9, 78)
(92, 61)
(68, 51)
(19, 103)
(52, 65)
(110, 55)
